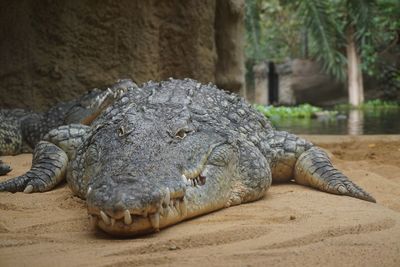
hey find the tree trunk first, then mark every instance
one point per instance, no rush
(354, 75)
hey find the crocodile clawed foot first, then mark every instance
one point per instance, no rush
(48, 169)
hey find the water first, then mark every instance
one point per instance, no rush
(353, 122)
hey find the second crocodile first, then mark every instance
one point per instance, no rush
(21, 130)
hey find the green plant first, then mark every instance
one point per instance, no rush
(335, 32)
(370, 105)
(306, 111)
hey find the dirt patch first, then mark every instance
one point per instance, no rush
(382, 151)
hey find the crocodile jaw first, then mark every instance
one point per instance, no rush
(140, 224)
(201, 196)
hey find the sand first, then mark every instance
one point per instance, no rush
(291, 226)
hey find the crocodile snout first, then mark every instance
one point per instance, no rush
(131, 211)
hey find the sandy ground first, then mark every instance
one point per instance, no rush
(291, 226)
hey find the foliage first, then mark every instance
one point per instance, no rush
(384, 35)
(252, 23)
(329, 23)
(272, 31)
(377, 103)
(276, 30)
(371, 105)
(389, 77)
(327, 38)
(301, 111)
(310, 111)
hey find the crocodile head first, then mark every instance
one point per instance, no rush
(153, 166)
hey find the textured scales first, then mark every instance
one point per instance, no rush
(21, 130)
(174, 150)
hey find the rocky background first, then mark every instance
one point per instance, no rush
(54, 50)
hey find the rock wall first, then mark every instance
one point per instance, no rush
(311, 85)
(230, 32)
(54, 50)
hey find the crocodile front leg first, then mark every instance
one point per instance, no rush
(50, 160)
(48, 169)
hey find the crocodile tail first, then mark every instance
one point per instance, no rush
(314, 168)
(48, 169)
(13, 185)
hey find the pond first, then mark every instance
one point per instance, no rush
(353, 122)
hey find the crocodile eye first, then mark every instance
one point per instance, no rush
(181, 134)
(124, 130)
(121, 131)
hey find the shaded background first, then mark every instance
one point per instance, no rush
(54, 50)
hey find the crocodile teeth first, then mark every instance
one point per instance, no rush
(166, 211)
(183, 206)
(184, 178)
(177, 206)
(112, 221)
(162, 212)
(155, 220)
(127, 217)
(167, 197)
(105, 218)
(28, 189)
(93, 221)
(89, 190)
(172, 207)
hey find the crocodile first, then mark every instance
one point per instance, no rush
(172, 150)
(4, 168)
(21, 130)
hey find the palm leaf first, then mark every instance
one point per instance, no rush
(316, 15)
